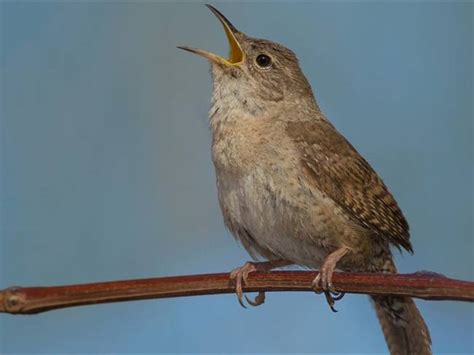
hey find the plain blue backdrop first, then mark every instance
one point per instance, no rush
(106, 171)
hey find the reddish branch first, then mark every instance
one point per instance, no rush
(425, 285)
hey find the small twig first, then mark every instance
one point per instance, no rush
(425, 285)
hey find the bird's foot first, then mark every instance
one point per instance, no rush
(240, 276)
(323, 281)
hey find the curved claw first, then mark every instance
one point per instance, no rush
(241, 301)
(240, 275)
(259, 299)
(331, 301)
(331, 295)
(323, 281)
(323, 284)
(336, 296)
(238, 289)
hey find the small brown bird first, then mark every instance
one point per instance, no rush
(292, 189)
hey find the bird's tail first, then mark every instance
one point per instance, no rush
(403, 326)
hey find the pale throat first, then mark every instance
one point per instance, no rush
(234, 96)
(231, 99)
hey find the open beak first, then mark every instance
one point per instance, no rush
(236, 55)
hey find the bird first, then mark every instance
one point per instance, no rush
(293, 190)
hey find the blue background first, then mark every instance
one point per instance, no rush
(106, 171)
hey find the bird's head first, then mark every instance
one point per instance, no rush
(256, 69)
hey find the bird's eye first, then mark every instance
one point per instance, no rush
(263, 61)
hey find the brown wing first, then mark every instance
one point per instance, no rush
(342, 174)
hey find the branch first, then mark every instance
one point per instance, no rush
(425, 285)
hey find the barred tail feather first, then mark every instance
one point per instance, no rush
(403, 326)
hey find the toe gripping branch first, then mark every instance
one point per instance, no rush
(322, 283)
(240, 276)
(332, 296)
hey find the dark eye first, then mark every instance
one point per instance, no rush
(263, 61)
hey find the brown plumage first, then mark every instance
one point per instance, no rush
(405, 330)
(292, 189)
(341, 172)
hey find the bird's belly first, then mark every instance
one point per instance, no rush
(279, 217)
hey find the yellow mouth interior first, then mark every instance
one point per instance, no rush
(236, 55)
